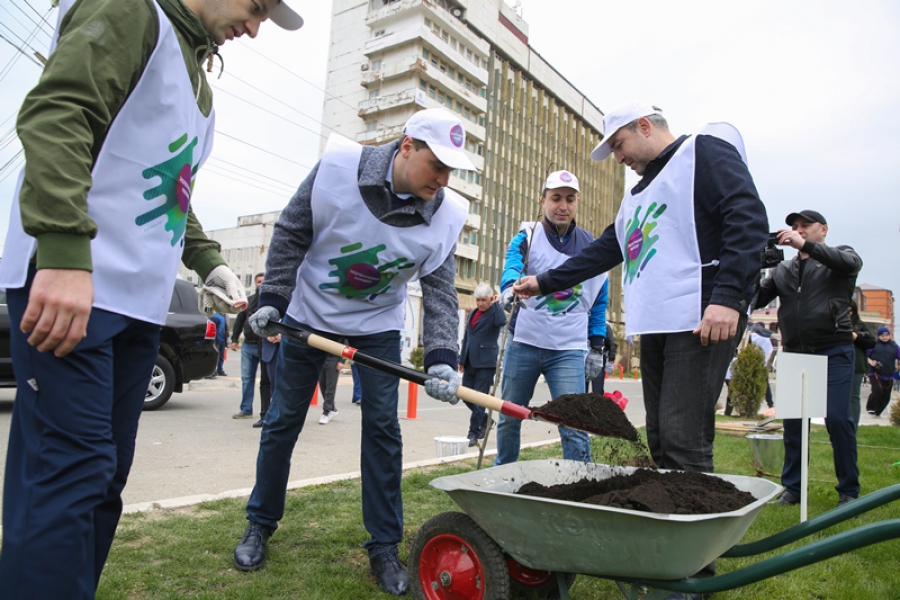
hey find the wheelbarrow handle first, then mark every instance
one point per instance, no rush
(336, 348)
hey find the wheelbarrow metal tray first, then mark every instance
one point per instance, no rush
(572, 537)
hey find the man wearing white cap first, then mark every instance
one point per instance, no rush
(113, 134)
(690, 234)
(558, 335)
(365, 222)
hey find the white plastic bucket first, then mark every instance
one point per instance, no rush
(451, 445)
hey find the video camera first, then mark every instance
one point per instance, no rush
(772, 255)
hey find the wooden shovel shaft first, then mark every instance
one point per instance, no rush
(392, 368)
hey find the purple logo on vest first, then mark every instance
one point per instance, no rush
(457, 136)
(362, 276)
(565, 176)
(635, 242)
(183, 188)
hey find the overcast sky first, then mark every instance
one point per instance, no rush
(813, 87)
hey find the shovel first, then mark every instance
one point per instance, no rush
(468, 394)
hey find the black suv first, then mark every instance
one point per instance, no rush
(187, 349)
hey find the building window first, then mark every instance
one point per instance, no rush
(375, 65)
(374, 93)
(423, 85)
(247, 280)
(371, 126)
(431, 91)
(378, 33)
(425, 53)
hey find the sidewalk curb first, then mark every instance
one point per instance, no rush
(184, 501)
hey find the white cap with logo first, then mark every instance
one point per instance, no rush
(561, 179)
(618, 118)
(445, 135)
(285, 17)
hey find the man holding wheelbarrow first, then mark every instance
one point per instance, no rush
(366, 221)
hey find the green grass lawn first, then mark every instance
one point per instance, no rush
(317, 552)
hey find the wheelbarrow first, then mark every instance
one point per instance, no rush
(507, 542)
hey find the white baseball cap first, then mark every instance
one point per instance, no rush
(445, 135)
(618, 118)
(561, 179)
(285, 17)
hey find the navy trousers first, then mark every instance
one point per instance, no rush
(71, 444)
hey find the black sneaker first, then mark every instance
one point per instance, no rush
(842, 500)
(390, 572)
(250, 554)
(222, 373)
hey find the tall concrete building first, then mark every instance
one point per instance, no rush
(390, 58)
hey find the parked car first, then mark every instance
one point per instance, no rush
(187, 349)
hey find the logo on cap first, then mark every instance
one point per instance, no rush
(565, 176)
(457, 135)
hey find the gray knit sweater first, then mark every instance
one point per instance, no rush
(294, 233)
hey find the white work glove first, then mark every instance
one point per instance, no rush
(507, 298)
(223, 292)
(608, 368)
(260, 319)
(593, 364)
(443, 383)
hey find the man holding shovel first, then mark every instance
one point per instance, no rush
(113, 134)
(365, 222)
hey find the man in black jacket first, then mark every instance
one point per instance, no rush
(816, 288)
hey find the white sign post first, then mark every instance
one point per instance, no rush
(801, 392)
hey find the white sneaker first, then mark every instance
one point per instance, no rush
(326, 417)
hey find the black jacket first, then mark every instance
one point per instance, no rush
(479, 345)
(242, 322)
(815, 305)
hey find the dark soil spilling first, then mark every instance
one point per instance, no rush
(680, 493)
(591, 412)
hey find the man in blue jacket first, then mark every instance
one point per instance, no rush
(560, 336)
(478, 356)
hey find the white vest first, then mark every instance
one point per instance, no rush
(557, 321)
(141, 188)
(656, 231)
(353, 278)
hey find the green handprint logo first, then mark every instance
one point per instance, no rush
(359, 274)
(562, 302)
(176, 182)
(638, 247)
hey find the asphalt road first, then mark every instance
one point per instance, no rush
(191, 448)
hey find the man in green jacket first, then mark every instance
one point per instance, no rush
(113, 135)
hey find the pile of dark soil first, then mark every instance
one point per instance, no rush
(591, 412)
(680, 493)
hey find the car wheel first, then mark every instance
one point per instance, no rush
(162, 382)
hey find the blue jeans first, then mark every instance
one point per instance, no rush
(220, 366)
(357, 386)
(682, 380)
(381, 451)
(249, 364)
(838, 422)
(71, 445)
(564, 371)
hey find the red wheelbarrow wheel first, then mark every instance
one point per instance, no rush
(452, 558)
(532, 584)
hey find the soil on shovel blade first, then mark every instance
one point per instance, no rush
(680, 493)
(595, 412)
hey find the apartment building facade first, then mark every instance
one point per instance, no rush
(523, 119)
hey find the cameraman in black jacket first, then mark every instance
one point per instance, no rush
(816, 288)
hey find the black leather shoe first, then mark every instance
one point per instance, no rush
(222, 373)
(250, 553)
(259, 423)
(788, 499)
(472, 440)
(390, 572)
(842, 500)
